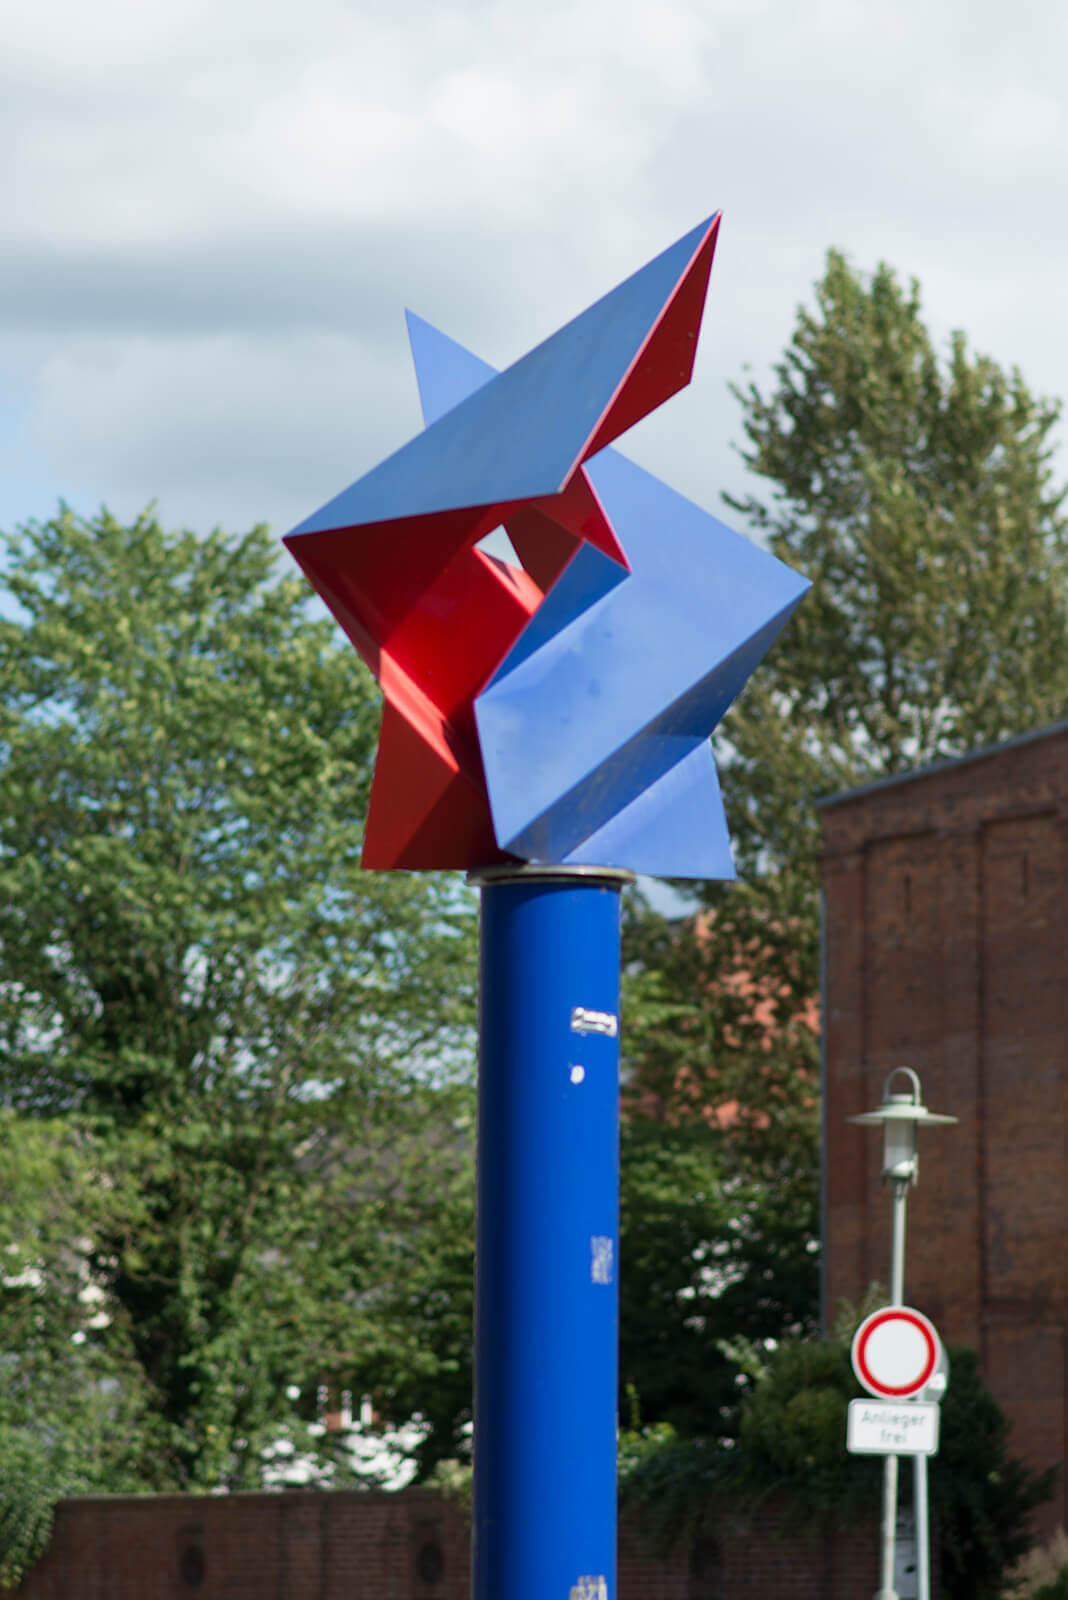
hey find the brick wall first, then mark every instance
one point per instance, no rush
(408, 1546)
(947, 951)
(289, 1546)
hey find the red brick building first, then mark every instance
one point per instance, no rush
(946, 937)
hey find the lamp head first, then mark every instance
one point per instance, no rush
(900, 1114)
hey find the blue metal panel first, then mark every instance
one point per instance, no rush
(581, 746)
(676, 828)
(521, 435)
(570, 734)
(639, 767)
(547, 1294)
(445, 372)
(587, 578)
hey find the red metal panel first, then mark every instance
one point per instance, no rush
(426, 810)
(665, 363)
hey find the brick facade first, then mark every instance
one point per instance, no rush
(408, 1546)
(947, 950)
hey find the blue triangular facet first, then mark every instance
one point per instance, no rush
(575, 729)
(445, 372)
(587, 578)
(519, 436)
(676, 828)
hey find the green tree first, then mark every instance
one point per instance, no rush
(73, 1405)
(918, 494)
(710, 1255)
(242, 1028)
(983, 1497)
(425, 1314)
(720, 1171)
(916, 490)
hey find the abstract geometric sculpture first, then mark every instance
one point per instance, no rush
(556, 712)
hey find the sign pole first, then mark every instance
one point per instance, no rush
(888, 1531)
(547, 1265)
(899, 1116)
(923, 1531)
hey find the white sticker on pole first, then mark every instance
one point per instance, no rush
(896, 1352)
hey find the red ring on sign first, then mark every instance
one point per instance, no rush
(897, 1314)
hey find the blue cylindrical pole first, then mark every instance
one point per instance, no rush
(547, 1297)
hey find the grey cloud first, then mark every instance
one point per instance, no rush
(237, 347)
(274, 281)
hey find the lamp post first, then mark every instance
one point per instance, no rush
(899, 1116)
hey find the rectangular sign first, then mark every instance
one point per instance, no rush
(892, 1428)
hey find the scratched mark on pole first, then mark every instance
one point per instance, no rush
(589, 1589)
(602, 1259)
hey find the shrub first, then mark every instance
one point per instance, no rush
(1043, 1573)
(33, 1477)
(791, 1442)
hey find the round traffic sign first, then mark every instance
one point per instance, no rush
(895, 1352)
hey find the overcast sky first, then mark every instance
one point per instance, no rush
(215, 213)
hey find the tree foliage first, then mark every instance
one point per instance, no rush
(418, 1358)
(918, 495)
(711, 1255)
(73, 1406)
(916, 490)
(241, 1028)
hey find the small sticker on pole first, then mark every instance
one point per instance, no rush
(584, 1020)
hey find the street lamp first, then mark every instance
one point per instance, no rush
(900, 1115)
